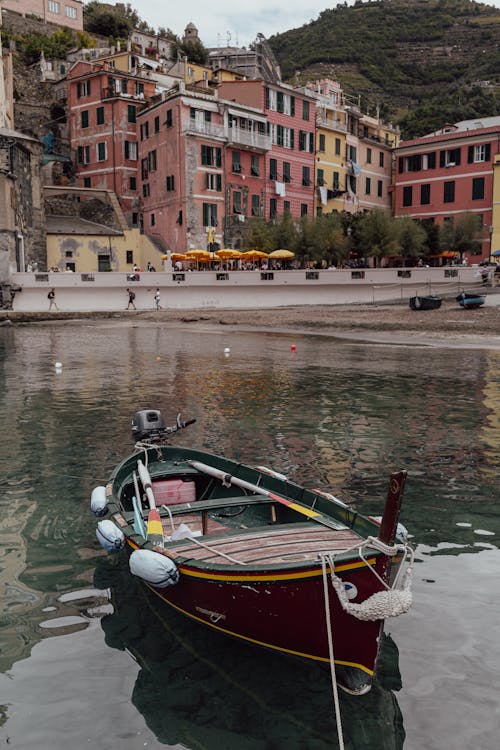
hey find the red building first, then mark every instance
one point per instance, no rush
(202, 169)
(103, 105)
(289, 165)
(449, 172)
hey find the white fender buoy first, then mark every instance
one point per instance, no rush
(153, 568)
(98, 502)
(110, 537)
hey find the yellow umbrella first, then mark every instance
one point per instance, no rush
(176, 256)
(282, 254)
(253, 255)
(198, 255)
(228, 253)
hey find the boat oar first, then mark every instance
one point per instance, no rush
(226, 478)
(154, 527)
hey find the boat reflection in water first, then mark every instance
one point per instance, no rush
(200, 689)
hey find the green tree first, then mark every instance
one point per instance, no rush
(462, 234)
(194, 50)
(108, 21)
(410, 237)
(378, 236)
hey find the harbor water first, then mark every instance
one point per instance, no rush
(88, 659)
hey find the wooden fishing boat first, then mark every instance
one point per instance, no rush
(470, 300)
(428, 302)
(256, 556)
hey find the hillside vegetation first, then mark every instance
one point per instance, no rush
(424, 62)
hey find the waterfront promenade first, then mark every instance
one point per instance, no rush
(206, 290)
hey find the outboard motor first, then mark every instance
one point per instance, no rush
(148, 424)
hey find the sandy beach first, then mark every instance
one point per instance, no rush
(393, 323)
(451, 325)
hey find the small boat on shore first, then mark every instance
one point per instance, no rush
(251, 554)
(428, 302)
(470, 300)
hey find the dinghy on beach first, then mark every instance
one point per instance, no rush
(247, 552)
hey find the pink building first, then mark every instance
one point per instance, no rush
(289, 165)
(202, 169)
(103, 103)
(61, 12)
(449, 172)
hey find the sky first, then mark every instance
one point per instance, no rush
(233, 22)
(239, 22)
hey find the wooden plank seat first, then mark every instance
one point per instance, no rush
(268, 544)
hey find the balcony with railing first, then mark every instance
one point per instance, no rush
(324, 122)
(248, 138)
(208, 129)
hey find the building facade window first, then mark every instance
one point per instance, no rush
(131, 112)
(368, 156)
(338, 147)
(70, 12)
(132, 183)
(305, 110)
(336, 180)
(84, 118)
(169, 120)
(368, 186)
(53, 6)
(477, 188)
(209, 214)
(99, 114)
(286, 207)
(306, 176)
(407, 195)
(425, 194)
(237, 202)
(211, 156)
(320, 177)
(170, 183)
(255, 166)
(379, 188)
(286, 172)
(83, 154)
(273, 169)
(303, 209)
(236, 162)
(479, 153)
(449, 192)
(130, 150)
(449, 157)
(322, 142)
(213, 181)
(83, 89)
(87, 182)
(255, 205)
(101, 151)
(381, 159)
(273, 207)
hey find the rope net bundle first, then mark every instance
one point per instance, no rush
(395, 600)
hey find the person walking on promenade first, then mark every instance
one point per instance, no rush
(157, 298)
(51, 296)
(131, 298)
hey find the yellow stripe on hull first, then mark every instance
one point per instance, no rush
(313, 657)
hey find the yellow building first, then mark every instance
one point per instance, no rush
(331, 129)
(74, 243)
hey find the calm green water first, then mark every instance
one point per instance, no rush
(88, 659)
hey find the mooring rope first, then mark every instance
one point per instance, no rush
(333, 675)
